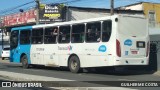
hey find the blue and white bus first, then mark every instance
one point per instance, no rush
(100, 42)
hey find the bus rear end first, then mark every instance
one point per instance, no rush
(132, 41)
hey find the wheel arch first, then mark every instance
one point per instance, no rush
(70, 57)
(22, 56)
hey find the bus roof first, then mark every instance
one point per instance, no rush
(21, 28)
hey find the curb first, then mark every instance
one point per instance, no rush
(28, 77)
(157, 73)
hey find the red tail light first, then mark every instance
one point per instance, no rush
(118, 48)
(148, 48)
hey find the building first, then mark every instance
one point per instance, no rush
(67, 14)
(79, 13)
(150, 10)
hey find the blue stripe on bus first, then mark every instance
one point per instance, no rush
(21, 28)
(20, 49)
(26, 49)
(16, 53)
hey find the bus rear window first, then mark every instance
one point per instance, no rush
(132, 27)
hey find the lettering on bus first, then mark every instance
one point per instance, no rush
(102, 48)
(128, 42)
(70, 48)
(65, 48)
(39, 49)
(51, 56)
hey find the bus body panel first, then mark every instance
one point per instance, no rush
(37, 54)
(133, 37)
(44, 55)
(92, 55)
(64, 51)
(51, 54)
(25, 49)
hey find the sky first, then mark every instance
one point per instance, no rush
(6, 5)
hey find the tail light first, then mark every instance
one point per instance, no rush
(118, 48)
(148, 48)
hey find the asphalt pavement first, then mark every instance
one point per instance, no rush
(14, 72)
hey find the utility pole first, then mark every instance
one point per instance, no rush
(2, 38)
(37, 8)
(112, 7)
(1, 32)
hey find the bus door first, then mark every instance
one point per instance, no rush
(14, 52)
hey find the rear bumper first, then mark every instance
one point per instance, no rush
(131, 61)
(5, 56)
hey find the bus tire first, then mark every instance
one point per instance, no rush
(24, 61)
(2, 58)
(74, 64)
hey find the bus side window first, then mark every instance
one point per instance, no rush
(50, 35)
(93, 32)
(106, 31)
(25, 37)
(14, 39)
(37, 36)
(78, 33)
(64, 34)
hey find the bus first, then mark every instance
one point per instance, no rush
(116, 40)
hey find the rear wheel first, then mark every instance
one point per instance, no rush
(74, 64)
(2, 58)
(24, 61)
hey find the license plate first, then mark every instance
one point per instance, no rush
(134, 52)
(140, 44)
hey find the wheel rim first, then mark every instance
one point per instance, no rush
(74, 64)
(24, 62)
